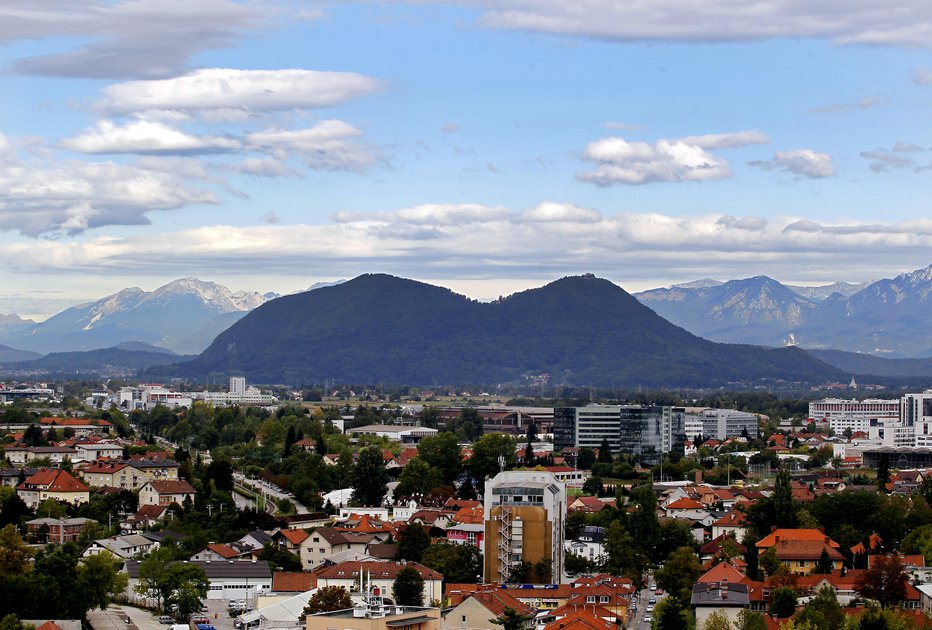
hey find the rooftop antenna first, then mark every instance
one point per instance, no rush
(501, 463)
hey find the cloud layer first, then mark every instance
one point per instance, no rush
(898, 22)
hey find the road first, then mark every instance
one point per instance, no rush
(643, 601)
(263, 487)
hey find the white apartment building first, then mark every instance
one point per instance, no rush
(149, 395)
(857, 415)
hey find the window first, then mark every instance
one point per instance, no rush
(590, 599)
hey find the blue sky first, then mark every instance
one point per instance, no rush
(485, 146)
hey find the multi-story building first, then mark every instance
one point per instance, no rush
(644, 431)
(524, 519)
(916, 411)
(722, 424)
(857, 415)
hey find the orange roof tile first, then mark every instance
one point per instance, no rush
(722, 572)
(293, 582)
(497, 600)
(795, 534)
(685, 503)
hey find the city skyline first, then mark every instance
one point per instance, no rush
(271, 145)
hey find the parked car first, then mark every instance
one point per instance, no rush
(165, 620)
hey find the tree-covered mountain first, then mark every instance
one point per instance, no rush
(579, 330)
(869, 364)
(125, 358)
(8, 354)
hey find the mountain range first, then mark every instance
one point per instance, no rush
(890, 317)
(577, 330)
(184, 316)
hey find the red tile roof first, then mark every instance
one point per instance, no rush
(224, 551)
(722, 572)
(580, 620)
(685, 503)
(172, 487)
(293, 582)
(378, 570)
(795, 534)
(295, 536)
(54, 481)
(496, 601)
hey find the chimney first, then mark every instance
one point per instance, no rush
(698, 476)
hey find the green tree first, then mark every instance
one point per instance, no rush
(605, 452)
(784, 506)
(458, 564)
(510, 619)
(413, 540)
(408, 589)
(718, 620)
(747, 620)
(51, 508)
(443, 453)
(162, 576)
(619, 549)
(418, 477)
(326, 599)
(783, 602)
(768, 561)
(585, 459)
(100, 579)
(824, 612)
(592, 486)
(679, 573)
(885, 580)
(430, 417)
(823, 564)
(671, 614)
(12, 622)
(14, 553)
(370, 479)
(485, 453)
(529, 446)
(279, 558)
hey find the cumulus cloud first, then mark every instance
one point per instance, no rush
(72, 196)
(667, 160)
(897, 23)
(146, 137)
(841, 108)
(327, 145)
(903, 155)
(922, 76)
(227, 91)
(128, 38)
(803, 163)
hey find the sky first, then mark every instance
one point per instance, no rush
(486, 146)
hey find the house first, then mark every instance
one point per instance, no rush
(589, 544)
(114, 474)
(165, 492)
(293, 582)
(144, 518)
(467, 534)
(12, 477)
(227, 580)
(218, 552)
(800, 549)
(256, 539)
(586, 504)
(124, 547)
(583, 619)
(477, 611)
(686, 508)
(92, 451)
(732, 524)
(289, 539)
(52, 484)
(550, 597)
(81, 426)
(321, 543)
(711, 597)
(156, 469)
(380, 575)
(55, 530)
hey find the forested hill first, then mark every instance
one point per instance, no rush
(580, 330)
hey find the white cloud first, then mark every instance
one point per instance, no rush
(450, 127)
(923, 76)
(128, 38)
(550, 211)
(227, 92)
(327, 145)
(901, 156)
(840, 108)
(667, 160)
(146, 137)
(803, 163)
(49, 196)
(898, 22)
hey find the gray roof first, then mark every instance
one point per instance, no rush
(218, 569)
(720, 595)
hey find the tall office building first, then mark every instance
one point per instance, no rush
(644, 431)
(525, 512)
